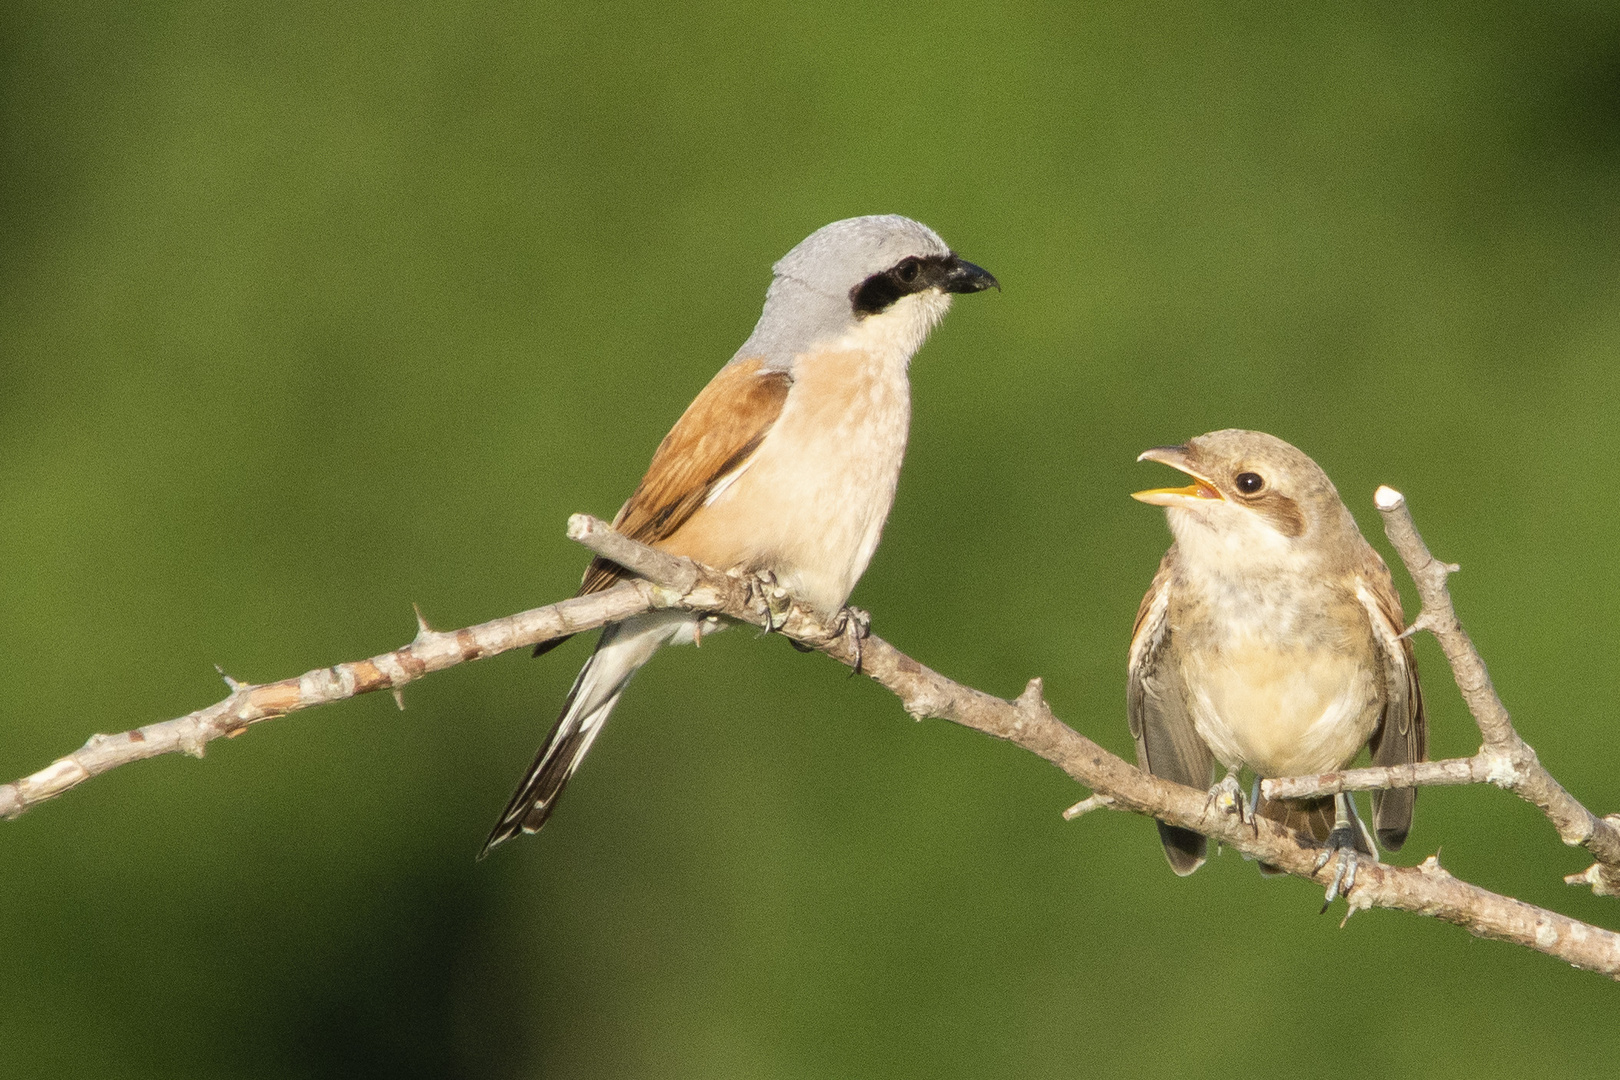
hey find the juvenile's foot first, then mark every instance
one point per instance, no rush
(1227, 798)
(1341, 842)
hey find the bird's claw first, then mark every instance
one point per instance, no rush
(855, 624)
(1227, 798)
(1341, 842)
(774, 601)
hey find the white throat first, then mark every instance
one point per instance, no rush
(899, 331)
(1222, 540)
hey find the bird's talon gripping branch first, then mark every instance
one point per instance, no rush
(855, 624)
(1344, 876)
(704, 627)
(771, 600)
(1322, 860)
(1341, 842)
(777, 606)
(1227, 797)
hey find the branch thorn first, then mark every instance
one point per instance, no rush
(1033, 699)
(1432, 866)
(192, 743)
(1087, 805)
(1422, 622)
(230, 682)
(1593, 876)
(1589, 876)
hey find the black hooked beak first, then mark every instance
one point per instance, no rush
(962, 276)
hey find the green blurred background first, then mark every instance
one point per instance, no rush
(308, 312)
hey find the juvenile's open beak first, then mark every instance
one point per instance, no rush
(1201, 491)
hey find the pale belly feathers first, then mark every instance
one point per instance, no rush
(1280, 710)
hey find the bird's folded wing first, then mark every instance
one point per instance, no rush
(1402, 735)
(712, 440)
(1167, 743)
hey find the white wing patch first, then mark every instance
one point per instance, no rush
(725, 482)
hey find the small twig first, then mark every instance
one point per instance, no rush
(1514, 760)
(1485, 767)
(670, 571)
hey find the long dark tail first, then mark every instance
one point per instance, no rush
(620, 653)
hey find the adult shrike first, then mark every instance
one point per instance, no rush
(786, 463)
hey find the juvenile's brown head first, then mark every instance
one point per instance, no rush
(1254, 499)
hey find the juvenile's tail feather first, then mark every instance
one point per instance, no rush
(620, 652)
(1392, 815)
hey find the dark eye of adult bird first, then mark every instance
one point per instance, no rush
(907, 271)
(1249, 483)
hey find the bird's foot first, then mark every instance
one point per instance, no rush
(1227, 798)
(1341, 844)
(855, 624)
(774, 602)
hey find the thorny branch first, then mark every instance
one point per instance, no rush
(1027, 721)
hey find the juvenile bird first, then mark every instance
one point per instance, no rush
(1270, 640)
(784, 465)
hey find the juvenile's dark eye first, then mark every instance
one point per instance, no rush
(1249, 483)
(907, 271)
